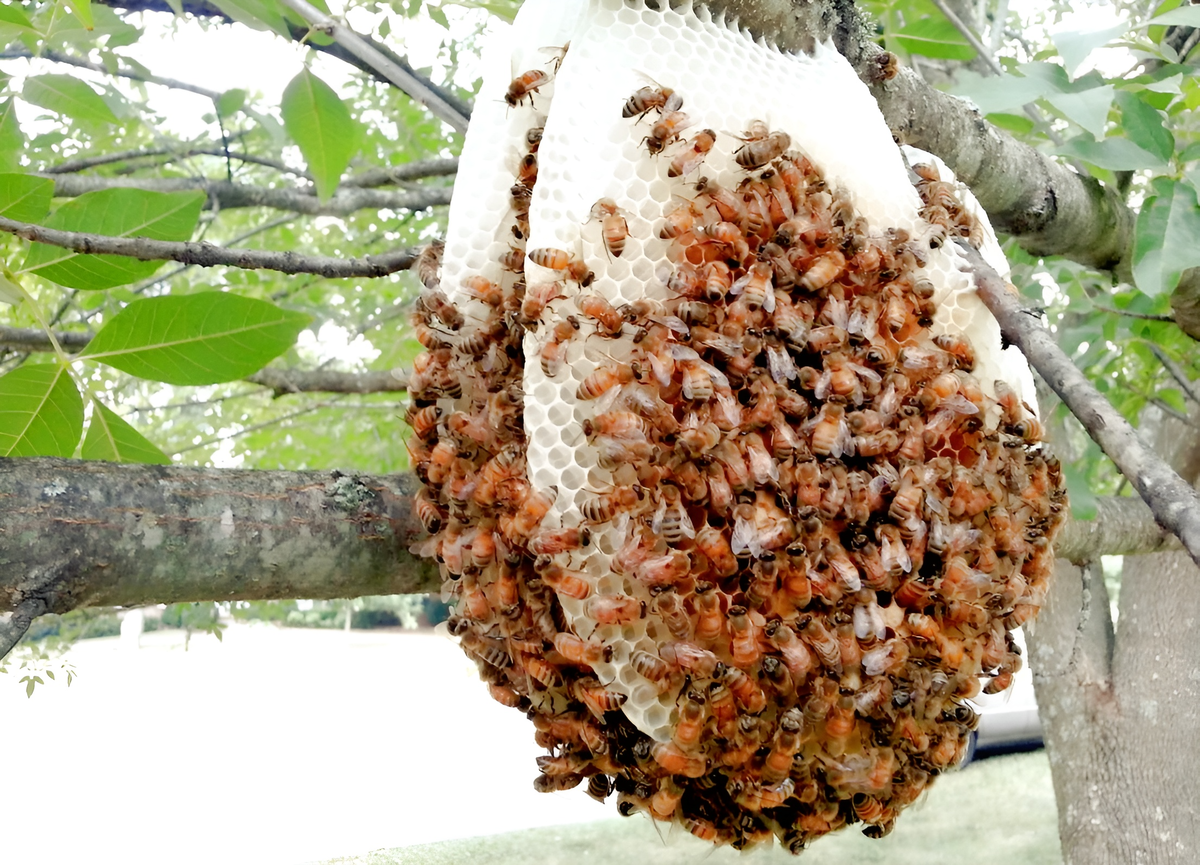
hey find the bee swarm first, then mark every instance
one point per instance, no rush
(716, 463)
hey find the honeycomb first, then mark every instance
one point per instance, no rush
(719, 461)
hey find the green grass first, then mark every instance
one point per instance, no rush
(996, 812)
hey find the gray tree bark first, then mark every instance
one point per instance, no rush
(1119, 706)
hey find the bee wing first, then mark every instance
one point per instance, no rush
(745, 538)
(660, 514)
(960, 404)
(685, 522)
(769, 301)
(824, 381)
(783, 368)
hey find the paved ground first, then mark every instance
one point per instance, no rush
(274, 747)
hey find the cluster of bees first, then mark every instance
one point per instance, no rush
(835, 525)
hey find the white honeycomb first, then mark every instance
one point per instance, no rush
(589, 151)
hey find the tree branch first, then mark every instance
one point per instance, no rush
(129, 535)
(18, 623)
(1173, 501)
(415, 170)
(280, 380)
(206, 255)
(228, 195)
(80, 63)
(1048, 208)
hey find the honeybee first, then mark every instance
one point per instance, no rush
(959, 346)
(604, 379)
(606, 506)
(583, 652)
(599, 787)
(615, 609)
(609, 321)
(884, 67)
(671, 521)
(524, 86)
(536, 298)
(676, 762)
(688, 161)
(647, 99)
(551, 542)
(613, 227)
(554, 350)
(757, 152)
(664, 570)
(667, 130)
(1029, 429)
(429, 264)
(823, 271)
(786, 743)
(435, 303)
(690, 724)
(596, 697)
(428, 512)
(757, 287)
(651, 667)
(745, 691)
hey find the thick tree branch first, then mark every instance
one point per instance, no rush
(77, 534)
(1050, 209)
(1175, 504)
(415, 170)
(227, 194)
(206, 255)
(280, 380)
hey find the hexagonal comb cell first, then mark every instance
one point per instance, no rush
(720, 482)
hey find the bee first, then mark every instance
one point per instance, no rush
(647, 99)
(710, 620)
(959, 346)
(606, 506)
(573, 584)
(664, 570)
(757, 287)
(436, 304)
(524, 86)
(830, 432)
(665, 801)
(670, 608)
(1029, 429)
(599, 787)
(823, 271)
(823, 643)
(667, 130)
(596, 697)
(690, 724)
(884, 67)
(613, 227)
(730, 205)
(554, 350)
(609, 321)
(604, 379)
(651, 667)
(688, 161)
(714, 545)
(615, 609)
(477, 342)
(745, 691)
(757, 152)
(424, 421)
(676, 762)
(786, 743)
(551, 542)
(429, 264)
(697, 382)
(430, 514)
(537, 297)
(691, 658)
(582, 652)
(743, 634)
(527, 170)
(671, 521)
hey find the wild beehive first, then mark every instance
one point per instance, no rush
(720, 460)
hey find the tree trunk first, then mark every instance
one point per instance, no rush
(1120, 710)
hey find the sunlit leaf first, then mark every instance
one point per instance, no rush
(64, 94)
(41, 412)
(24, 197)
(231, 101)
(1167, 236)
(13, 15)
(1076, 45)
(257, 14)
(83, 11)
(1188, 16)
(115, 213)
(1088, 108)
(111, 438)
(1144, 126)
(934, 37)
(1115, 154)
(996, 93)
(321, 124)
(200, 338)
(12, 140)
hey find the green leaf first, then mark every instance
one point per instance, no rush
(934, 37)
(200, 338)
(1144, 126)
(258, 14)
(1167, 236)
(1079, 493)
(116, 213)
(24, 197)
(1188, 16)
(83, 11)
(997, 93)
(1088, 108)
(436, 13)
(1076, 45)
(12, 140)
(14, 16)
(64, 94)
(41, 412)
(321, 124)
(1114, 154)
(111, 438)
(230, 101)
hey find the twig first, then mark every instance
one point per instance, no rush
(415, 170)
(18, 623)
(79, 63)
(397, 75)
(1172, 500)
(31, 339)
(1128, 313)
(73, 165)
(1177, 373)
(207, 255)
(224, 195)
(969, 35)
